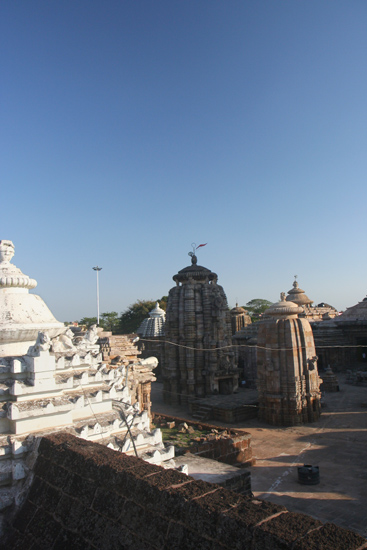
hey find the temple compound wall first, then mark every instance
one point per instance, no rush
(83, 495)
(199, 359)
(288, 381)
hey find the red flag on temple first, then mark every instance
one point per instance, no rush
(201, 245)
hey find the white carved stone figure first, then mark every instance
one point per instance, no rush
(91, 335)
(6, 250)
(63, 342)
(118, 383)
(43, 343)
(57, 346)
(150, 362)
(67, 339)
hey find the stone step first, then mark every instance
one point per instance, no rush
(199, 416)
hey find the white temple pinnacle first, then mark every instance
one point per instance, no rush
(21, 317)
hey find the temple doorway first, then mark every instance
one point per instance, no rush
(225, 386)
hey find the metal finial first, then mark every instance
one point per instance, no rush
(192, 254)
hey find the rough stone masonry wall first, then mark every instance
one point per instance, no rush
(234, 448)
(86, 496)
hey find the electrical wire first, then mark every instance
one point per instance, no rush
(252, 346)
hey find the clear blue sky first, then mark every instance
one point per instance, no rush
(130, 129)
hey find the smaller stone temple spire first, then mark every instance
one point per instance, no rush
(154, 325)
(298, 296)
(239, 318)
(288, 382)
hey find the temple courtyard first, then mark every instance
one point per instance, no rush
(336, 443)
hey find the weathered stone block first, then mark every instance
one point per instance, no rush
(180, 536)
(108, 503)
(44, 529)
(282, 531)
(151, 527)
(25, 516)
(69, 512)
(238, 523)
(328, 537)
(66, 539)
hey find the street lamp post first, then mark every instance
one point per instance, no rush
(97, 269)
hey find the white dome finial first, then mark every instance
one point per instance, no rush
(6, 251)
(10, 275)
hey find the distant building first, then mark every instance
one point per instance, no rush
(341, 343)
(239, 318)
(312, 313)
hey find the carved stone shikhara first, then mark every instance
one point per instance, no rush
(288, 381)
(151, 334)
(198, 354)
(239, 318)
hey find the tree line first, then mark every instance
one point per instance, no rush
(130, 320)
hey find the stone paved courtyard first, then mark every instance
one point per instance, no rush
(337, 443)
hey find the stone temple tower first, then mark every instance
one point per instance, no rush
(288, 381)
(198, 354)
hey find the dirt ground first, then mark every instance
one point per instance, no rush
(337, 443)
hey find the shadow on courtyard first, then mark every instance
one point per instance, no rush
(337, 443)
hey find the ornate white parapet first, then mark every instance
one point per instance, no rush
(52, 380)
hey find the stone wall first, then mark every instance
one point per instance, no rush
(234, 448)
(86, 496)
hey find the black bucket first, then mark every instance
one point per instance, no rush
(308, 475)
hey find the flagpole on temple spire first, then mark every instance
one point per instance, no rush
(193, 253)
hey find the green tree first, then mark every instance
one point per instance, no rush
(110, 321)
(88, 321)
(135, 314)
(256, 307)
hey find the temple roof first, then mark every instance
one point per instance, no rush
(154, 325)
(157, 311)
(238, 310)
(283, 308)
(195, 272)
(298, 296)
(354, 313)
